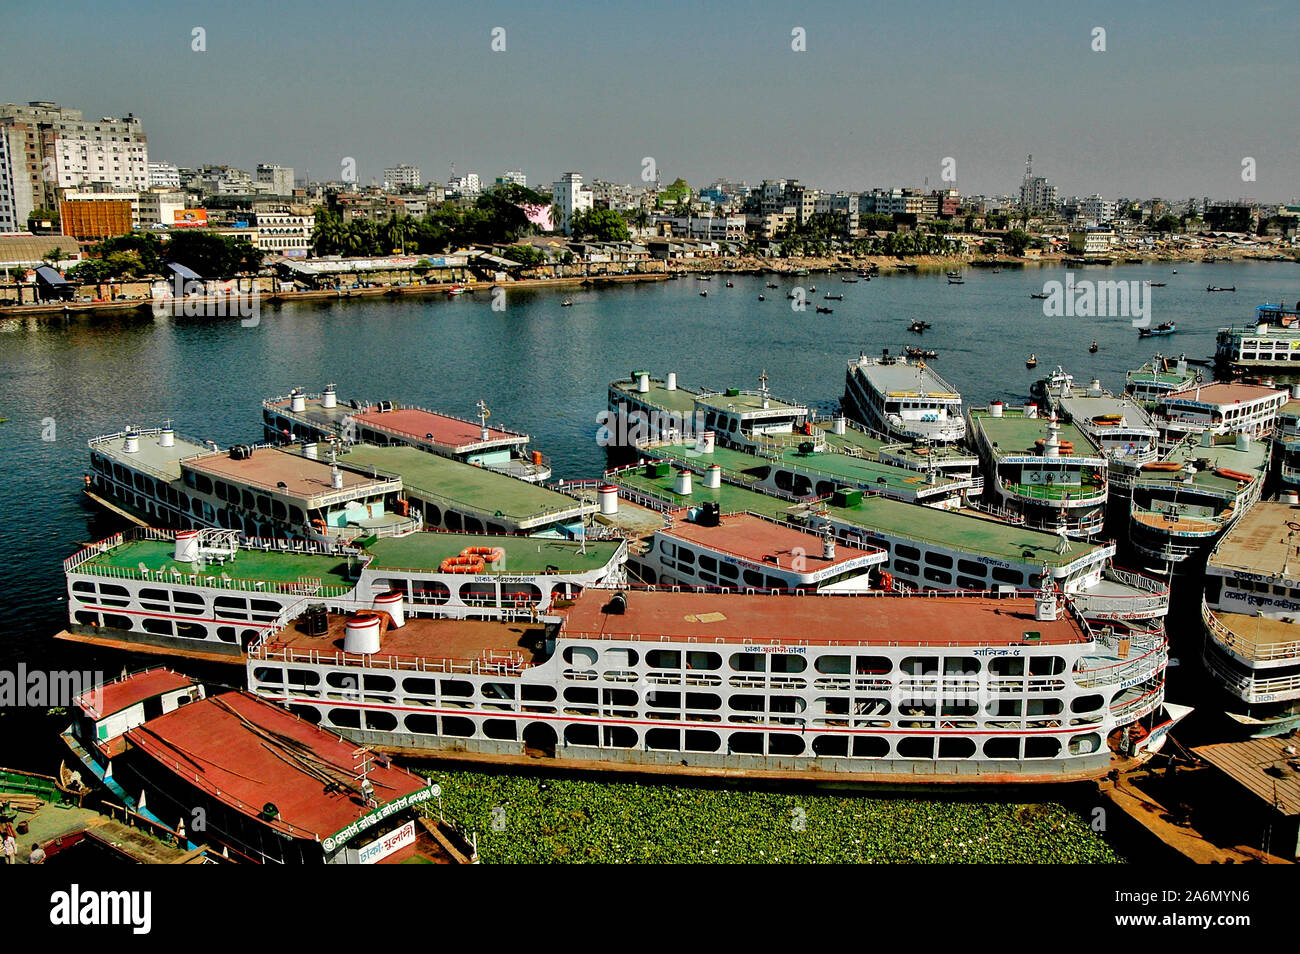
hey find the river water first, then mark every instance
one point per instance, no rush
(540, 367)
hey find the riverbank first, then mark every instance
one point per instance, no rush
(879, 265)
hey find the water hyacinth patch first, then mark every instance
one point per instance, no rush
(529, 819)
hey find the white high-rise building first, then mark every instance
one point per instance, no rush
(50, 148)
(402, 176)
(163, 175)
(513, 177)
(277, 180)
(571, 197)
(467, 185)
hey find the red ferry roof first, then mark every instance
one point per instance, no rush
(420, 638)
(1225, 393)
(884, 620)
(415, 423)
(125, 693)
(247, 752)
(753, 538)
(269, 467)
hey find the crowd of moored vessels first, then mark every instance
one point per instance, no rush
(912, 591)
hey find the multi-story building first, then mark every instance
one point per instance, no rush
(705, 225)
(218, 180)
(570, 196)
(513, 177)
(274, 179)
(402, 176)
(1036, 193)
(48, 148)
(163, 175)
(158, 207)
(285, 229)
(612, 195)
(466, 186)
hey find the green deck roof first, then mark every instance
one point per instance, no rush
(1015, 434)
(729, 497)
(839, 468)
(461, 485)
(523, 555)
(249, 566)
(679, 401)
(958, 531)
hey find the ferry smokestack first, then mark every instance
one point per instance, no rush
(840, 425)
(1052, 446)
(361, 634)
(671, 383)
(131, 443)
(393, 604)
(187, 546)
(828, 548)
(1045, 603)
(682, 485)
(1094, 388)
(309, 451)
(329, 399)
(297, 401)
(705, 443)
(713, 476)
(608, 500)
(1295, 391)
(1031, 410)
(642, 382)
(336, 478)
(995, 409)
(167, 437)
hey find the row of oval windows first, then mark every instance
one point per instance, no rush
(655, 698)
(739, 742)
(826, 664)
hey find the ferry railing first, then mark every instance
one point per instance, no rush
(1136, 708)
(1243, 647)
(1153, 599)
(1252, 688)
(1067, 494)
(490, 663)
(139, 464)
(1147, 664)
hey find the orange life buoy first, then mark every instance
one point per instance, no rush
(1233, 474)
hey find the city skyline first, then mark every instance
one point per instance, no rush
(1171, 108)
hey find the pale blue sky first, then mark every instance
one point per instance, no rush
(883, 93)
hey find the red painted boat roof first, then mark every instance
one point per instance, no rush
(1225, 392)
(753, 538)
(922, 620)
(418, 424)
(244, 751)
(125, 693)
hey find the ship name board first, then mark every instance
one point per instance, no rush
(988, 651)
(778, 650)
(383, 847)
(341, 836)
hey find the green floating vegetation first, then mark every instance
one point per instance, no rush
(521, 819)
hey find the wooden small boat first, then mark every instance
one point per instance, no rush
(918, 326)
(1157, 284)
(1040, 297)
(1092, 348)
(849, 281)
(829, 297)
(1264, 728)
(823, 311)
(704, 294)
(1031, 361)
(1226, 288)
(915, 352)
(731, 284)
(567, 303)
(1164, 328)
(956, 281)
(771, 284)
(704, 278)
(762, 298)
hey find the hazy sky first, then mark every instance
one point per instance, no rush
(885, 90)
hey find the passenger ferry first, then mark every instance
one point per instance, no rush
(908, 401)
(1286, 442)
(1271, 344)
(800, 471)
(926, 548)
(642, 410)
(207, 594)
(269, 787)
(152, 476)
(889, 688)
(749, 552)
(1250, 608)
(1120, 428)
(849, 437)
(309, 418)
(446, 494)
(1220, 408)
(1043, 473)
(1161, 377)
(1180, 506)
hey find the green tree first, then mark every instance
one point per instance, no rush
(1016, 241)
(603, 225)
